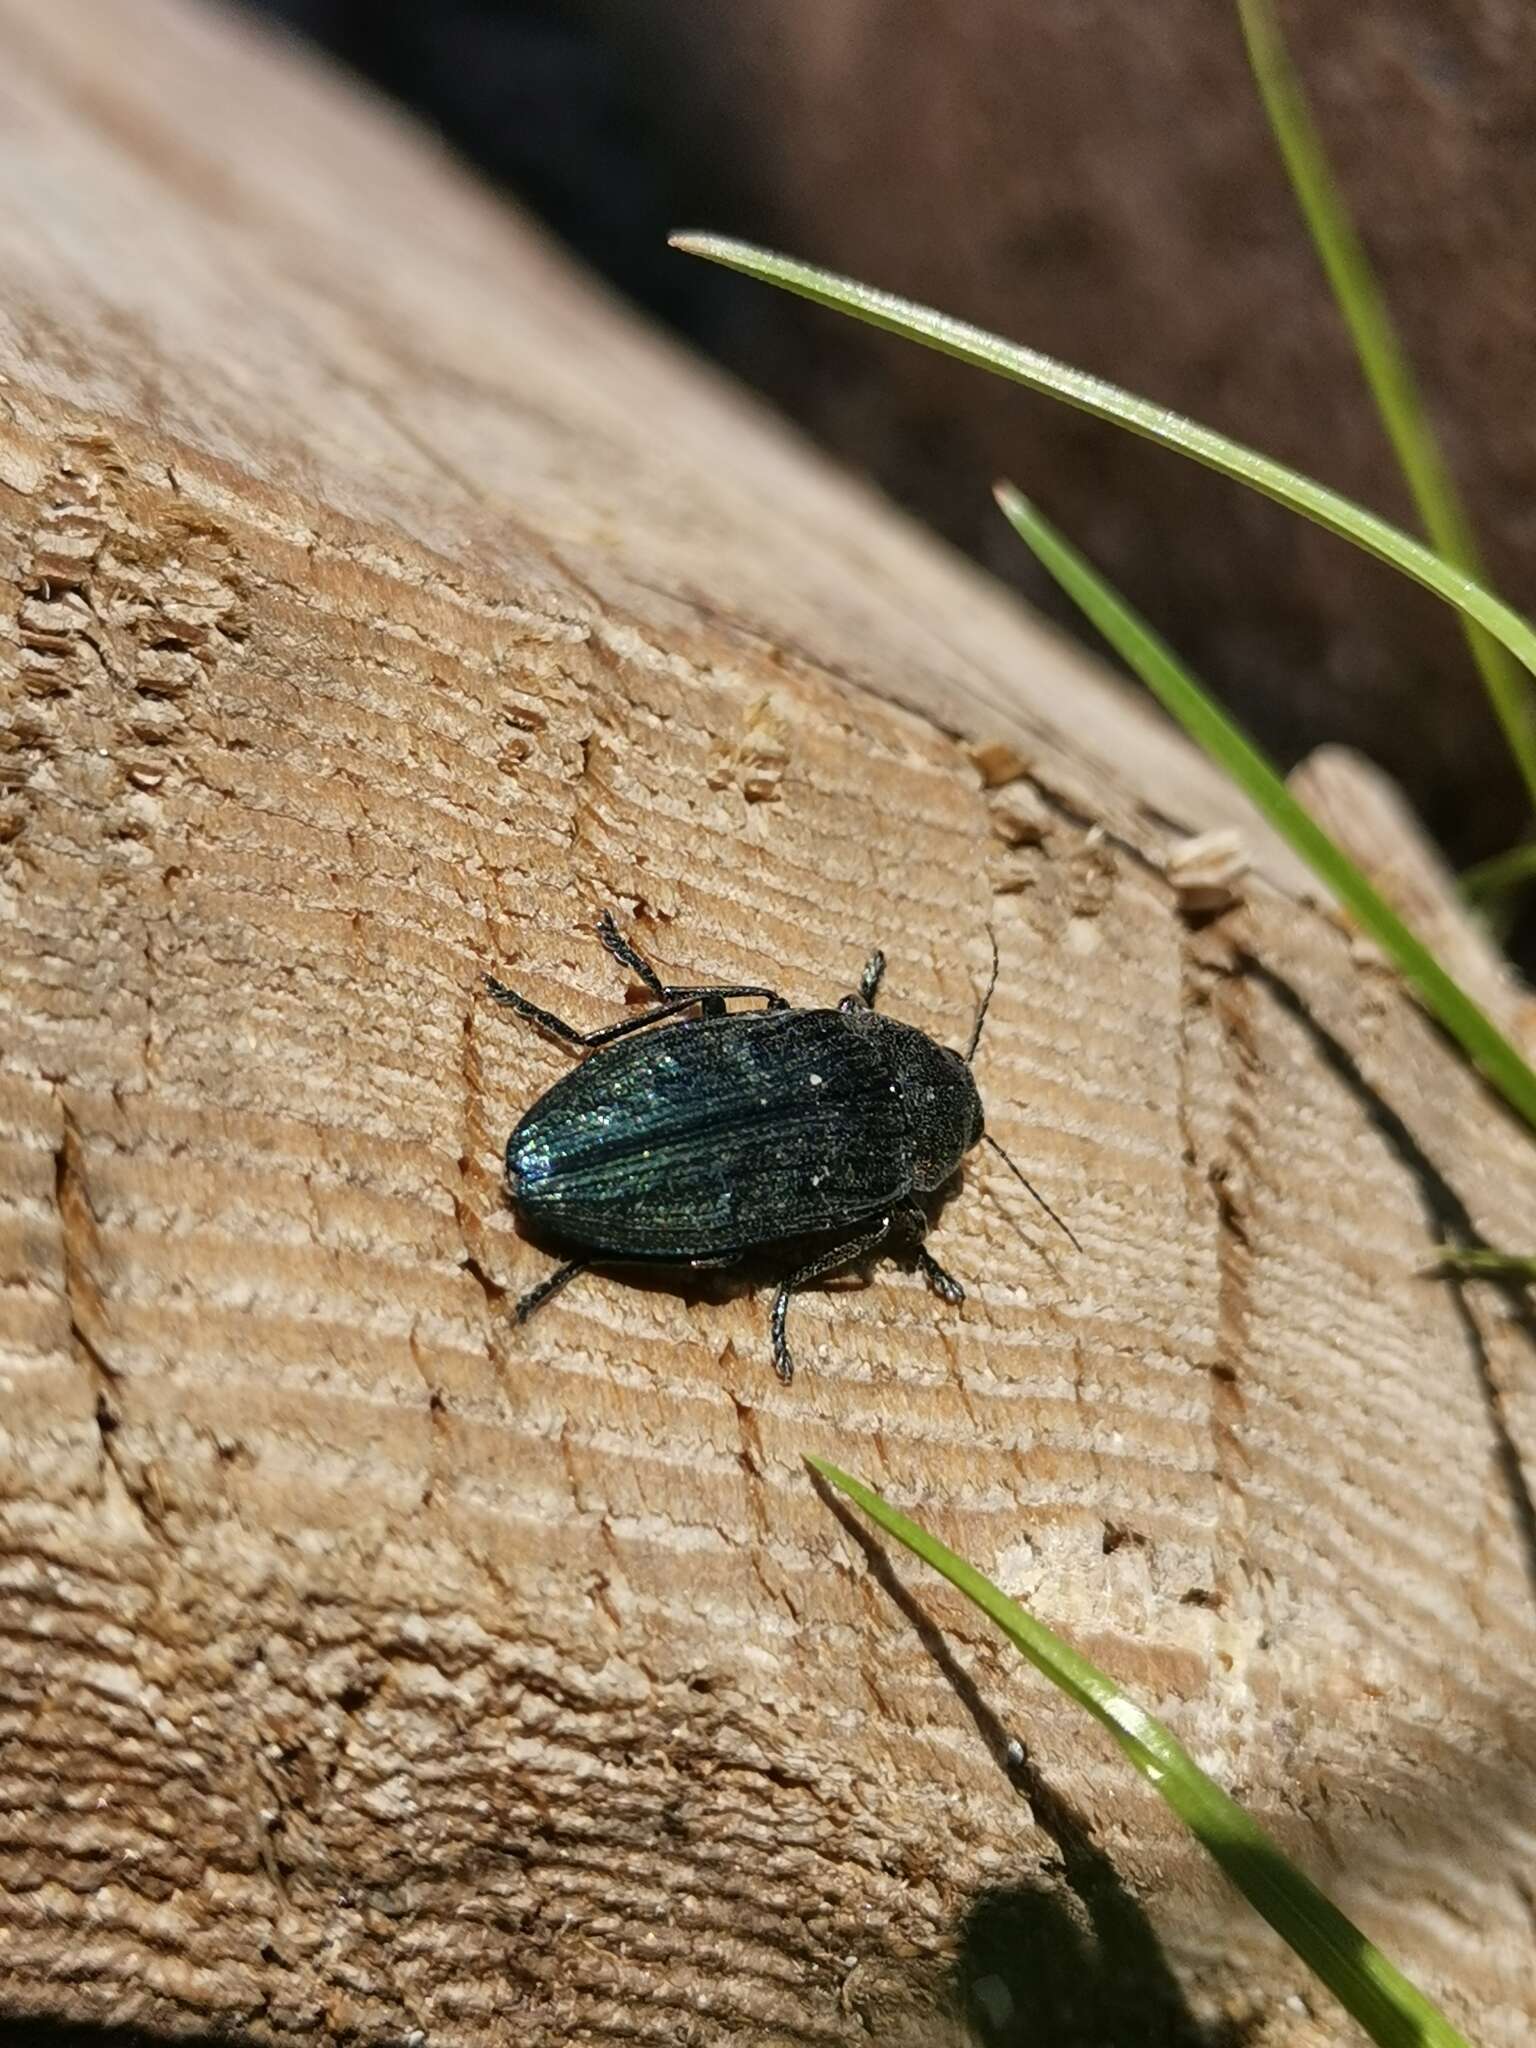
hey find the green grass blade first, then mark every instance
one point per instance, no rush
(1482, 1264)
(1382, 357)
(1209, 727)
(1373, 1990)
(1498, 876)
(1156, 423)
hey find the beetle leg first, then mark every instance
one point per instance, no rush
(869, 984)
(545, 1019)
(680, 1000)
(622, 951)
(671, 1001)
(840, 1255)
(944, 1285)
(710, 1000)
(550, 1284)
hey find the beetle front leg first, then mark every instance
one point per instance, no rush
(869, 984)
(840, 1255)
(944, 1284)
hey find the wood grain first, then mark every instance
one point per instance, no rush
(382, 602)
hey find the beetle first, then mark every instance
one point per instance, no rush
(694, 1141)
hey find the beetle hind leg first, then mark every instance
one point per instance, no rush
(550, 1285)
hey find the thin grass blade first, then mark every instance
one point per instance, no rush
(1383, 359)
(1210, 727)
(1481, 1264)
(1504, 872)
(1090, 394)
(1392, 2011)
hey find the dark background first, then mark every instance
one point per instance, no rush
(1094, 177)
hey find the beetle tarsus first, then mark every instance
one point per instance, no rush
(944, 1284)
(840, 1255)
(871, 978)
(551, 1284)
(783, 1360)
(869, 984)
(545, 1019)
(626, 955)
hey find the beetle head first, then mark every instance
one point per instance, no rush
(942, 1106)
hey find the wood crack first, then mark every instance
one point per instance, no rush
(79, 1240)
(1217, 1067)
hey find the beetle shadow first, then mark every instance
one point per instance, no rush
(1030, 1971)
(1068, 1956)
(1450, 1225)
(753, 1273)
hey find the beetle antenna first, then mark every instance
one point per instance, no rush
(981, 1014)
(970, 1054)
(1018, 1176)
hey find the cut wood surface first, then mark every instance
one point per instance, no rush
(383, 602)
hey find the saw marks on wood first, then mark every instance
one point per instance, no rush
(402, 1579)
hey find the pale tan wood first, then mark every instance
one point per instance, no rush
(1365, 812)
(382, 602)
